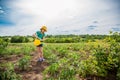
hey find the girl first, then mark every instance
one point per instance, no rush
(40, 35)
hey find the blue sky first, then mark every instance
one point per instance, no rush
(25, 17)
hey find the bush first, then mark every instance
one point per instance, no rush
(8, 72)
(24, 62)
(19, 39)
(3, 44)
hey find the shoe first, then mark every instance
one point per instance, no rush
(40, 60)
(43, 59)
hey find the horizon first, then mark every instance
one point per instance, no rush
(62, 35)
(62, 17)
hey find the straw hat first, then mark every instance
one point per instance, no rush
(44, 28)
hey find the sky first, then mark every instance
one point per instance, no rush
(25, 17)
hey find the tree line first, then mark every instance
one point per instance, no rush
(60, 38)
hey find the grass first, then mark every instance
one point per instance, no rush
(18, 48)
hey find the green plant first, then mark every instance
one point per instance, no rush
(24, 62)
(7, 72)
(19, 39)
(118, 74)
(52, 70)
(67, 72)
(18, 48)
(3, 44)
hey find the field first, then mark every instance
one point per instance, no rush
(92, 60)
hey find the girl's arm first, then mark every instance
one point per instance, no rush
(34, 35)
(43, 39)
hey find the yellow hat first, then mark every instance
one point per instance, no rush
(44, 28)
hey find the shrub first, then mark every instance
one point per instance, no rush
(3, 44)
(8, 72)
(19, 39)
(24, 62)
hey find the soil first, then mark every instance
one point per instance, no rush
(34, 72)
(35, 69)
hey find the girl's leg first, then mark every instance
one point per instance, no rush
(41, 52)
(38, 51)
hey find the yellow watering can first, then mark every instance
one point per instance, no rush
(37, 42)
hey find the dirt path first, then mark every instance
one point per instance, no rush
(36, 69)
(11, 58)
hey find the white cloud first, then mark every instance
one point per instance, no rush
(0, 7)
(66, 15)
(1, 11)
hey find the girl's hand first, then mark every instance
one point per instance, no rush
(41, 40)
(34, 35)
